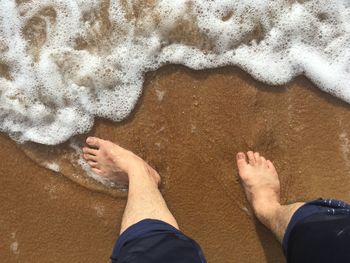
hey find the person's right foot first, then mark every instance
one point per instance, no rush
(261, 184)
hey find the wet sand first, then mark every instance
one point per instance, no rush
(188, 125)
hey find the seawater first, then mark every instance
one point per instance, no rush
(65, 62)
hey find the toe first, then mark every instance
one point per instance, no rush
(97, 171)
(93, 164)
(91, 151)
(251, 157)
(257, 157)
(90, 157)
(270, 165)
(93, 142)
(263, 161)
(241, 160)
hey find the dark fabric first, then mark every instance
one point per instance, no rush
(155, 241)
(319, 232)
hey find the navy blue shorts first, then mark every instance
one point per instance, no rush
(319, 231)
(155, 241)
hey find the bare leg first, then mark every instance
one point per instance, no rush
(144, 199)
(262, 188)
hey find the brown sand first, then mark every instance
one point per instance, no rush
(188, 125)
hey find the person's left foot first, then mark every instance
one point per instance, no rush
(114, 162)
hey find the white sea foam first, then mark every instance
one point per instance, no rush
(55, 88)
(14, 246)
(53, 167)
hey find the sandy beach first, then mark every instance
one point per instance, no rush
(188, 125)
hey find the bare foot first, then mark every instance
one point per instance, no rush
(114, 162)
(261, 184)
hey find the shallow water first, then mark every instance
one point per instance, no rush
(64, 63)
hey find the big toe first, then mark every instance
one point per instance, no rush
(93, 142)
(241, 161)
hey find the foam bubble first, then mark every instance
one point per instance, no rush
(63, 63)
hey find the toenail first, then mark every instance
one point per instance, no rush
(240, 156)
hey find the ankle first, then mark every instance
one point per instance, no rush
(267, 212)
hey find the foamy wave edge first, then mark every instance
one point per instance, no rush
(91, 58)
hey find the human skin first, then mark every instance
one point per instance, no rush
(144, 198)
